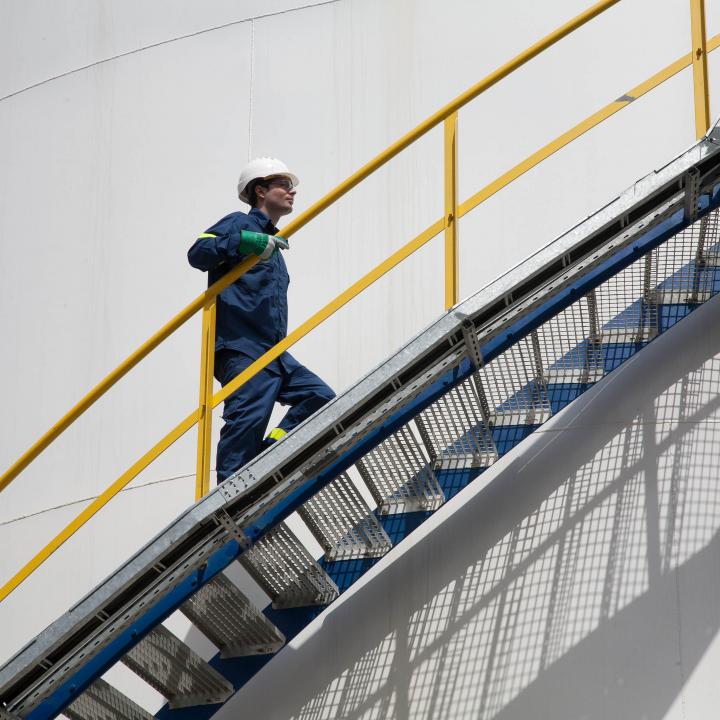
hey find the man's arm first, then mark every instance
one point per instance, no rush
(217, 245)
(224, 242)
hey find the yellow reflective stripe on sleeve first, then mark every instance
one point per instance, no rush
(277, 434)
(204, 235)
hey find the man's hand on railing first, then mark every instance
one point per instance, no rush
(260, 244)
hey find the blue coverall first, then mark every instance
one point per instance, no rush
(251, 318)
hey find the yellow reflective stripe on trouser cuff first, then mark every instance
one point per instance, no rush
(204, 235)
(277, 434)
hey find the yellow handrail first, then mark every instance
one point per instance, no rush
(429, 233)
(206, 300)
(581, 128)
(313, 211)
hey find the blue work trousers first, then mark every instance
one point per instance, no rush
(247, 411)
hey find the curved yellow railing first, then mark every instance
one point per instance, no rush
(453, 211)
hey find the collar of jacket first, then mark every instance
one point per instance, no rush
(264, 220)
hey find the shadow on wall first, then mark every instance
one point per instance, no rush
(583, 582)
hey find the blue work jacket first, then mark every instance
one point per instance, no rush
(252, 313)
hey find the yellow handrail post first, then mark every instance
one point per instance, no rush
(451, 212)
(699, 65)
(207, 364)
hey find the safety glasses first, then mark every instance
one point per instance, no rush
(284, 183)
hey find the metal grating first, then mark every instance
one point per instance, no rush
(515, 387)
(688, 264)
(569, 344)
(399, 476)
(627, 303)
(343, 524)
(282, 566)
(101, 701)
(175, 671)
(230, 621)
(454, 431)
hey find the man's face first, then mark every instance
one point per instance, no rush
(279, 196)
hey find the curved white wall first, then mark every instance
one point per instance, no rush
(122, 129)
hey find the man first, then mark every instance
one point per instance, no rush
(252, 317)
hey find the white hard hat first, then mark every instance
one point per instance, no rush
(261, 168)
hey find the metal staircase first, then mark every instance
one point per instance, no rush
(414, 431)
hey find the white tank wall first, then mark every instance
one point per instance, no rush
(123, 126)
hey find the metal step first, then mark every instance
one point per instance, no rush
(454, 431)
(5, 715)
(515, 386)
(230, 621)
(399, 476)
(627, 304)
(101, 701)
(175, 671)
(285, 570)
(343, 524)
(569, 344)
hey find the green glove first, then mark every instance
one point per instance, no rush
(260, 244)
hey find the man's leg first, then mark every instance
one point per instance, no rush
(305, 392)
(246, 414)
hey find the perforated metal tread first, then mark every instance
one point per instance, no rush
(399, 476)
(228, 619)
(455, 432)
(287, 572)
(343, 524)
(177, 672)
(515, 386)
(627, 303)
(101, 701)
(568, 346)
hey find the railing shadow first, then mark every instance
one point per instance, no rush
(581, 582)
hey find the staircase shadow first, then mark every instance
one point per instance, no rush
(582, 582)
